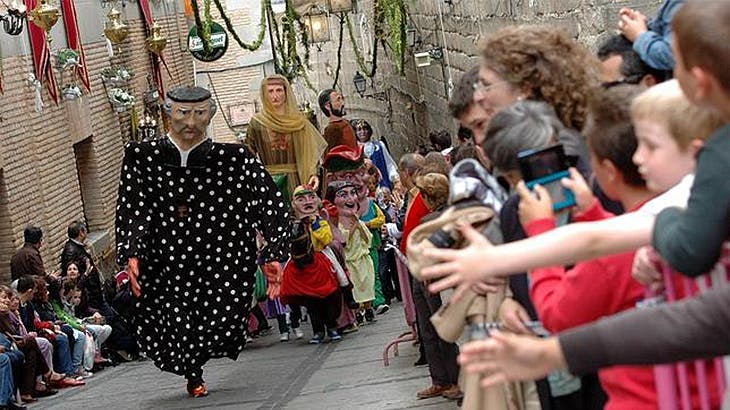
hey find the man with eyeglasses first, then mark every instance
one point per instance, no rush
(187, 215)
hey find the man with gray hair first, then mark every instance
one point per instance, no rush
(187, 215)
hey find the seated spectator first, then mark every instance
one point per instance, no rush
(47, 319)
(7, 384)
(64, 308)
(15, 328)
(27, 355)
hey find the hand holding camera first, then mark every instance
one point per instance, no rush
(546, 168)
(534, 206)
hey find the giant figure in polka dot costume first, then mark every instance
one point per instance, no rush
(187, 213)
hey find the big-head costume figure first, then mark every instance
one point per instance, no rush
(348, 164)
(187, 214)
(313, 277)
(282, 137)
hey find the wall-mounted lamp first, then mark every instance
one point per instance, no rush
(412, 35)
(339, 6)
(424, 59)
(361, 84)
(13, 21)
(318, 28)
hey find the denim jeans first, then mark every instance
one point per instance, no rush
(100, 333)
(7, 388)
(62, 355)
(77, 356)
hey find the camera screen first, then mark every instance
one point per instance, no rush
(538, 164)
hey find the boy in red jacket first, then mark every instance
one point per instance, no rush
(604, 286)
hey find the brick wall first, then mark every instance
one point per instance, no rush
(40, 181)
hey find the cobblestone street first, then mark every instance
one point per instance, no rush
(274, 375)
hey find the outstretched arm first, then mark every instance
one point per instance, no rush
(690, 329)
(562, 246)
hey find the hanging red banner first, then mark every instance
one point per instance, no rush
(74, 40)
(144, 5)
(41, 55)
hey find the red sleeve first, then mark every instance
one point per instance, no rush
(42, 324)
(415, 213)
(592, 289)
(539, 226)
(595, 212)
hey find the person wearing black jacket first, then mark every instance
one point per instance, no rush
(90, 281)
(74, 250)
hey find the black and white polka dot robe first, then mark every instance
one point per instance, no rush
(192, 228)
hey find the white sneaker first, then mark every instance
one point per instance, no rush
(298, 333)
(284, 337)
(382, 309)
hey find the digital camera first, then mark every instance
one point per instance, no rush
(547, 167)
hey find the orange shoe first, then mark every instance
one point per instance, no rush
(198, 390)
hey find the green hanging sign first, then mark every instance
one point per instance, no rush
(218, 43)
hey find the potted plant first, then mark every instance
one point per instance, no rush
(71, 92)
(68, 59)
(116, 76)
(121, 99)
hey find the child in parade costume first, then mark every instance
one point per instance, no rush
(313, 277)
(357, 243)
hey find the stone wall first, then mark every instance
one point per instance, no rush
(63, 164)
(418, 100)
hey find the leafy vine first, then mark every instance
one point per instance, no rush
(339, 51)
(229, 26)
(395, 15)
(208, 22)
(199, 24)
(370, 72)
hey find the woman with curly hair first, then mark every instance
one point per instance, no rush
(542, 64)
(536, 63)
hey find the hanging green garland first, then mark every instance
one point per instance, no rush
(394, 14)
(370, 72)
(199, 24)
(208, 22)
(339, 51)
(229, 26)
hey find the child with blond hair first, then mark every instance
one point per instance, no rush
(604, 286)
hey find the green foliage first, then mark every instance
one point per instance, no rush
(368, 71)
(395, 17)
(229, 26)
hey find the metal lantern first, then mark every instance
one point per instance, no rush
(44, 16)
(339, 6)
(157, 41)
(317, 24)
(411, 34)
(116, 30)
(13, 21)
(147, 128)
(360, 83)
